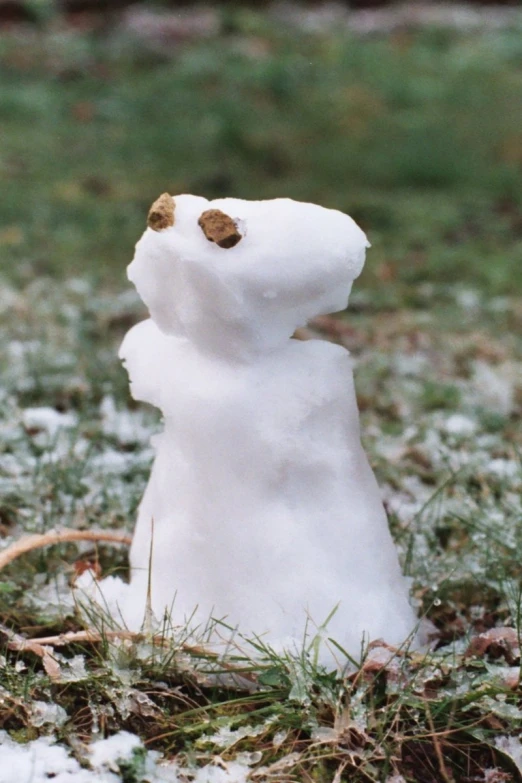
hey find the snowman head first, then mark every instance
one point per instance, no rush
(241, 275)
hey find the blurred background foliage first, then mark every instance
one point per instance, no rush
(416, 132)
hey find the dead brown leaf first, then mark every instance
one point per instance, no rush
(500, 642)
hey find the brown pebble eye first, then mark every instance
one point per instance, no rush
(219, 228)
(161, 213)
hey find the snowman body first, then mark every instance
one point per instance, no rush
(261, 510)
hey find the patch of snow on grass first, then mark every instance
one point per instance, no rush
(110, 761)
(126, 426)
(467, 298)
(108, 752)
(48, 420)
(226, 772)
(505, 468)
(458, 424)
(512, 747)
(41, 760)
(495, 386)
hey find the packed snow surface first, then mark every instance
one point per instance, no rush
(261, 508)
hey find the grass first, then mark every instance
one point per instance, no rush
(417, 135)
(92, 131)
(453, 497)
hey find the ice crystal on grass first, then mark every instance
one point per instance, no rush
(227, 737)
(44, 714)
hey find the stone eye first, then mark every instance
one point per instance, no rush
(219, 228)
(161, 213)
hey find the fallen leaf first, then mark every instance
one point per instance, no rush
(498, 643)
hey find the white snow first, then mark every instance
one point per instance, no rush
(107, 752)
(459, 424)
(261, 506)
(467, 298)
(126, 426)
(511, 746)
(496, 386)
(505, 468)
(410, 364)
(226, 772)
(44, 759)
(41, 760)
(48, 420)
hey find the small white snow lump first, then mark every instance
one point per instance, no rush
(261, 508)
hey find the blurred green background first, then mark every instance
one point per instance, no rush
(417, 133)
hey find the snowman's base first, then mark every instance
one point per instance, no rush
(114, 602)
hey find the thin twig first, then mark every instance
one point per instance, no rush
(39, 540)
(37, 646)
(446, 776)
(95, 637)
(17, 643)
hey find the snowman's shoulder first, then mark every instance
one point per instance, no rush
(147, 354)
(145, 343)
(138, 335)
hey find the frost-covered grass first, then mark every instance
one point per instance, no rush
(440, 388)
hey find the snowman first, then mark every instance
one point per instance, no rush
(262, 513)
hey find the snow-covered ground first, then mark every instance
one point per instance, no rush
(440, 391)
(104, 761)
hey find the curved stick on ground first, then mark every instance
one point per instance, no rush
(41, 646)
(39, 540)
(91, 636)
